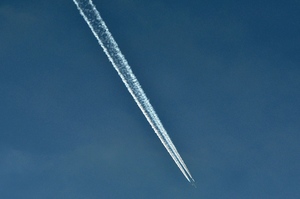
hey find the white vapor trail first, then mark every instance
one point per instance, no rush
(110, 47)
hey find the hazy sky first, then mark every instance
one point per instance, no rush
(224, 77)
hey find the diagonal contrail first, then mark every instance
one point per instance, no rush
(110, 47)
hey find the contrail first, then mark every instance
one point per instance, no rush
(93, 19)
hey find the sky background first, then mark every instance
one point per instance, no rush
(224, 77)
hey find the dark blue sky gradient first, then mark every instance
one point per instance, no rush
(224, 77)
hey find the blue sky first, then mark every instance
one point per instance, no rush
(224, 77)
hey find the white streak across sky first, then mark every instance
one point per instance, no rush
(110, 47)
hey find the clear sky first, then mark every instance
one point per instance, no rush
(224, 77)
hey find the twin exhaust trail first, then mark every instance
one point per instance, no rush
(92, 17)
